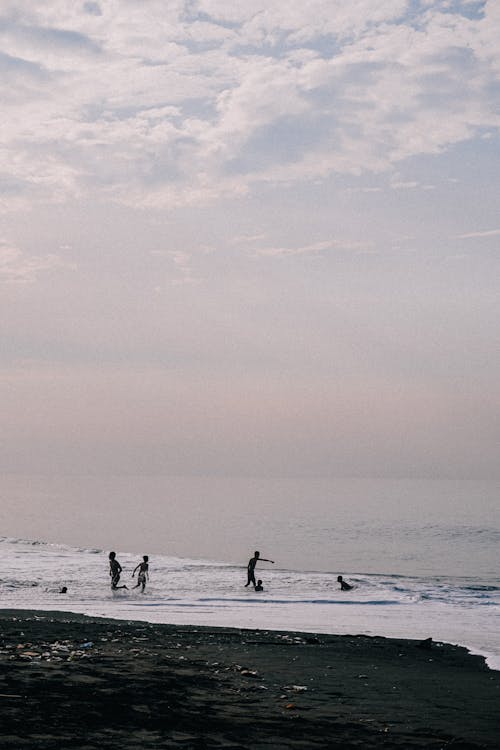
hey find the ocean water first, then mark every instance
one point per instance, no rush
(404, 527)
(423, 556)
(464, 610)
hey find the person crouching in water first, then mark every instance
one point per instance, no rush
(344, 586)
(143, 575)
(259, 586)
(251, 568)
(114, 571)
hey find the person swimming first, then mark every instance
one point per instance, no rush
(251, 568)
(344, 586)
(114, 571)
(143, 575)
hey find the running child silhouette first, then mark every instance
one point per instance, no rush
(114, 571)
(143, 575)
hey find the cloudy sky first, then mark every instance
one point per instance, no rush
(250, 238)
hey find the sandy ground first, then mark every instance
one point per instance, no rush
(67, 681)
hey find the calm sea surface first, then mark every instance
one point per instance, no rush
(423, 556)
(406, 527)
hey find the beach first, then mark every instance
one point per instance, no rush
(71, 681)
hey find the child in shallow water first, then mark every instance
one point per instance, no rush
(344, 586)
(114, 571)
(251, 567)
(143, 575)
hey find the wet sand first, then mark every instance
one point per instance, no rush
(68, 681)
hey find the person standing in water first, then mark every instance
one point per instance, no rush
(251, 568)
(143, 575)
(114, 571)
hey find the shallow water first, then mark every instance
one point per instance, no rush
(424, 555)
(455, 609)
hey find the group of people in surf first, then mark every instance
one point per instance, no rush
(258, 586)
(115, 570)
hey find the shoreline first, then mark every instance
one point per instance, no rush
(72, 680)
(184, 591)
(491, 659)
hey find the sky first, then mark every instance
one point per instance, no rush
(250, 238)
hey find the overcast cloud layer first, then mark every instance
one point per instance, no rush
(250, 237)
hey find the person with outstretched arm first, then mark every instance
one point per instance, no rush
(251, 568)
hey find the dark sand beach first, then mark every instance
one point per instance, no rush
(68, 681)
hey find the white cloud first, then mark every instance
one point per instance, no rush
(474, 235)
(404, 185)
(183, 265)
(17, 267)
(315, 248)
(265, 21)
(179, 104)
(250, 238)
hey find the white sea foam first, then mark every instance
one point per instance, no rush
(464, 610)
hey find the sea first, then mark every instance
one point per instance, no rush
(423, 556)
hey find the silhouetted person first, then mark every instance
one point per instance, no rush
(63, 590)
(114, 571)
(343, 585)
(259, 586)
(143, 575)
(251, 567)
